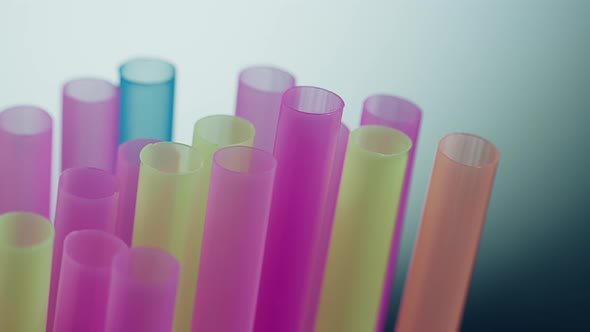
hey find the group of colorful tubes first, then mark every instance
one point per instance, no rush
(275, 219)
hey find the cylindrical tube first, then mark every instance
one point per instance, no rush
(233, 239)
(83, 291)
(371, 185)
(305, 144)
(405, 116)
(143, 290)
(25, 165)
(147, 99)
(167, 207)
(321, 253)
(90, 124)
(259, 100)
(26, 241)
(87, 198)
(448, 239)
(127, 172)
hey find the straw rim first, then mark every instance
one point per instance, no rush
(92, 236)
(290, 100)
(245, 126)
(265, 158)
(108, 90)
(194, 156)
(42, 117)
(164, 65)
(404, 110)
(130, 150)
(37, 221)
(275, 74)
(405, 142)
(490, 161)
(108, 179)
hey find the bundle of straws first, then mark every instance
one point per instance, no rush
(276, 219)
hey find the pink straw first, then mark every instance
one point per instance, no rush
(405, 116)
(233, 239)
(84, 283)
(127, 172)
(259, 100)
(90, 124)
(143, 288)
(25, 164)
(306, 140)
(86, 199)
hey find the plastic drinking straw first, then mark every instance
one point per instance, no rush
(147, 99)
(259, 100)
(90, 124)
(87, 198)
(233, 239)
(26, 241)
(83, 291)
(210, 134)
(167, 207)
(405, 116)
(305, 144)
(127, 172)
(448, 239)
(143, 290)
(370, 191)
(321, 253)
(25, 165)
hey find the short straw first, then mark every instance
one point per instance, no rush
(233, 239)
(405, 116)
(83, 291)
(87, 198)
(370, 191)
(127, 172)
(210, 134)
(147, 99)
(25, 164)
(90, 124)
(143, 290)
(448, 239)
(259, 100)
(321, 253)
(26, 242)
(306, 140)
(166, 209)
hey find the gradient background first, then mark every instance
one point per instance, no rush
(514, 71)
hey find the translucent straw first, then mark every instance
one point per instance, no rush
(405, 116)
(445, 251)
(305, 145)
(259, 100)
(233, 239)
(147, 99)
(85, 276)
(26, 241)
(370, 191)
(143, 291)
(90, 124)
(87, 198)
(25, 164)
(167, 208)
(127, 172)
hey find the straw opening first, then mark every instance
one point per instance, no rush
(171, 158)
(81, 247)
(130, 150)
(90, 90)
(392, 108)
(89, 183)
(312, 100)
(24, 230)
(382, 140)
(469, 150)
(147, 71)
(267, 79)
(243, 159)
(223, 130)
(25, 120)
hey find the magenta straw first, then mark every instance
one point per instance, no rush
(259, 100)
(321, 253)
(87, 198)
(25, 165)
(143, 288)
(84, 283)
(306, 139)
(127, 172)
(233, 239)
(405, 116)
(90, 124)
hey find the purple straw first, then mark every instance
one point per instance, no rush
(90, 124)
(127, 172)
(305, 144)
(25, 165)
(87, 198)
(405, 116)
(84, 283)
(143, 288)
(233, 239)
(259, 100)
